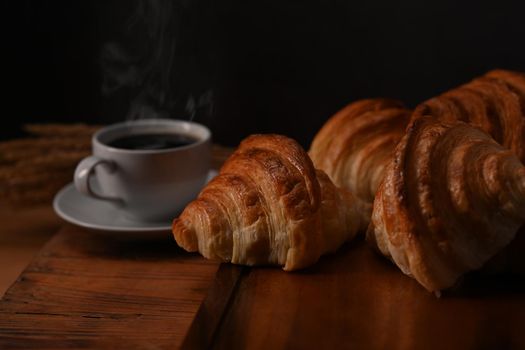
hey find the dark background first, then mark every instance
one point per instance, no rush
(242, 67)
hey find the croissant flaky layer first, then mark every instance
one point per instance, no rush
(355, 144)
(269, 206)
(450, 199)
(495, 103)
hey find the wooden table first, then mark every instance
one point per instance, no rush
(356, 300)
(81, 281)
(95, 291)
(23, 232)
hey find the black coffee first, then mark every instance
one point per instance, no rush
(152, 141)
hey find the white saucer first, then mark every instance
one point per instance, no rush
(84, 211)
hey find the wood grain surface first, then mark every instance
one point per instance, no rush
(87, 290)
(355, 299)
(106, 291)
(23, 232)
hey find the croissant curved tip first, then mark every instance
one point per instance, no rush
(296, 259)
(184, 236)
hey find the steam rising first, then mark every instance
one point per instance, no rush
(149, 61)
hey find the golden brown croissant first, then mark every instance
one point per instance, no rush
(354, 145)
(495, 103)
(269, 205)
(451, 198)
(515, 81)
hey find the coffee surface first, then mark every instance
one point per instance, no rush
(155, 141)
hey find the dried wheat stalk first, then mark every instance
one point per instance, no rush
(33, 169)
(58, 130)
(25, 150)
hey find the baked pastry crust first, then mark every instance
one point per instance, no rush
(494, 103)
(451, 198)
(269, 206)
(354, 145)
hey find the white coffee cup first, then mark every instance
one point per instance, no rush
(150, 184)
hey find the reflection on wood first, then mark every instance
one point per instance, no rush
(219, 298)
(355, 299)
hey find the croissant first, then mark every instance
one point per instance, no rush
(515, 81)
(354, 145)
(269, 206)
(495, 103)
(451, 198)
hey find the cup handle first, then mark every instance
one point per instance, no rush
(83, 173)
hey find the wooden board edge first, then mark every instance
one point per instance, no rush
(213, 308)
